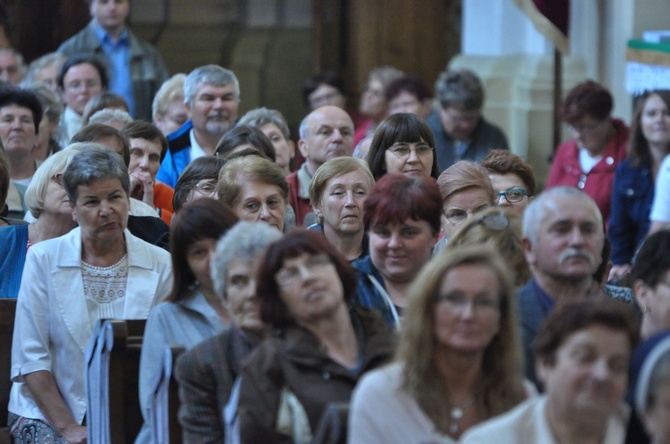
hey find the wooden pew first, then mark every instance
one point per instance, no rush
(165, 401)
(7, 311)
(112, 377)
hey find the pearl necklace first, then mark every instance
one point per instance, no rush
(457, 413)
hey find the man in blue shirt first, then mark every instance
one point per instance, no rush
(136, 69)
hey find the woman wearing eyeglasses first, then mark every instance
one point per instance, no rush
(459, 361)
(512, 178)
(403, 143)
(589, 160)
(321, 347)
(198, 180)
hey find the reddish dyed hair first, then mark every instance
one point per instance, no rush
(299, 241)
(397, 197)
(587, 99)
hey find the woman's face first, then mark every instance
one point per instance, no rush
(204, 188)
(589, 375)
(17, 129)
(55, 199)
(198, 256)
(341, 203)
(592, 134)
(409, 158)
(101, 210)
(467, 310)
(655, 121)
(80, 83)
(263, 202)
(462, 205)
(310, 287)
(284, 148)
(657, 418)
(41, 149)
(399, 250)
(241, 295)
(656, 301)
(173, 119)
(373, 104)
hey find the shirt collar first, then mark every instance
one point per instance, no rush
(104, 37)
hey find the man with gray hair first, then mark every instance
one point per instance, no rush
(212, 96)
(563, 238)
(461, 133)
(12, 66)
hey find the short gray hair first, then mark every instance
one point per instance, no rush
(535, 212)
(93, 163)
(245, 241)
(108, 115)
(460, 89)
(263, 116)
(304, 127)
(211, 75)
(37, 190)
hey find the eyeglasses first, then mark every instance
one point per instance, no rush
(403, 150)
(205, 187)
(58, 178)
(457, 216)
(513, 195)
(287, 276)
(458, 302)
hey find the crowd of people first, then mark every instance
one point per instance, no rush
(401, 267)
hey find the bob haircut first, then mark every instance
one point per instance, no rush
(461, 89)
(202, 168)
(139, 129)
(334, 168)
(172, 90)
(587, 99)
(397, 197)
(4, 178)
(245, 241)
(260, 117)
(99, 131)
(505, 240)
(205, 219)
(245, 135)
(462, 175)
(80, 59)
(37, 190)
(94, 163)
(209, 75)
(638, 145)
(273, 310)
(504, 162)
(654, 374)
(500, 387)
(25, 98)
(572, 317)
(241, 170)
(401, 127)
(652, 261)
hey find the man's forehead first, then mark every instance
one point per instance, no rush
(210, 88)
(570, 208)
(334, 118)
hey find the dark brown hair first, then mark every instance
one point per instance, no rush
(587, 99)
(638, 145)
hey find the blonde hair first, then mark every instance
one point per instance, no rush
(462, 175)
(500, 384)
(37, 190)
(334, 168)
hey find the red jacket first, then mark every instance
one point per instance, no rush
(299, 201)
(565, 169)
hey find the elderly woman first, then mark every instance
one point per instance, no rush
(45, 70)
(466, 189)
(168, 108)
(582, 353)
(192, 312)
(653, 393)
(337, 193)
(256, 190)
(373, 100)
(500, 230)
(198, 180)
(50, 206)
(402, 218)
(322, 347)
(403, 143)
(47, 135)
(244, 137)
(274, 126)
(208, 372)
(589, 160)
(512, 178)
(98, 270)
(459, 361)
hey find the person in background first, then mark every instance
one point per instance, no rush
(242, 138)
(409, 94)
(323, 343)
(582, 354)
(653, 394)
(168, 109)
(47, 136)
(459, 361)
(403, 143)
(337, 193)
(137, 69)
(373, 104)
(461, 132)
(208, 373)
(103, 272)
(4, 190)
(402, 218)
(116, 118)
(589, 160)
(192, 311)
(12, 66)
(45, 70)
(512, 178)
(147, 149)
(633, 190)
(104, 100)
(197, 181)
(363, 148)
(274, 126)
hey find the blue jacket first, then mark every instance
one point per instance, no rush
(632, 197)
(367, 294)
(177, 156)
(13, 243)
